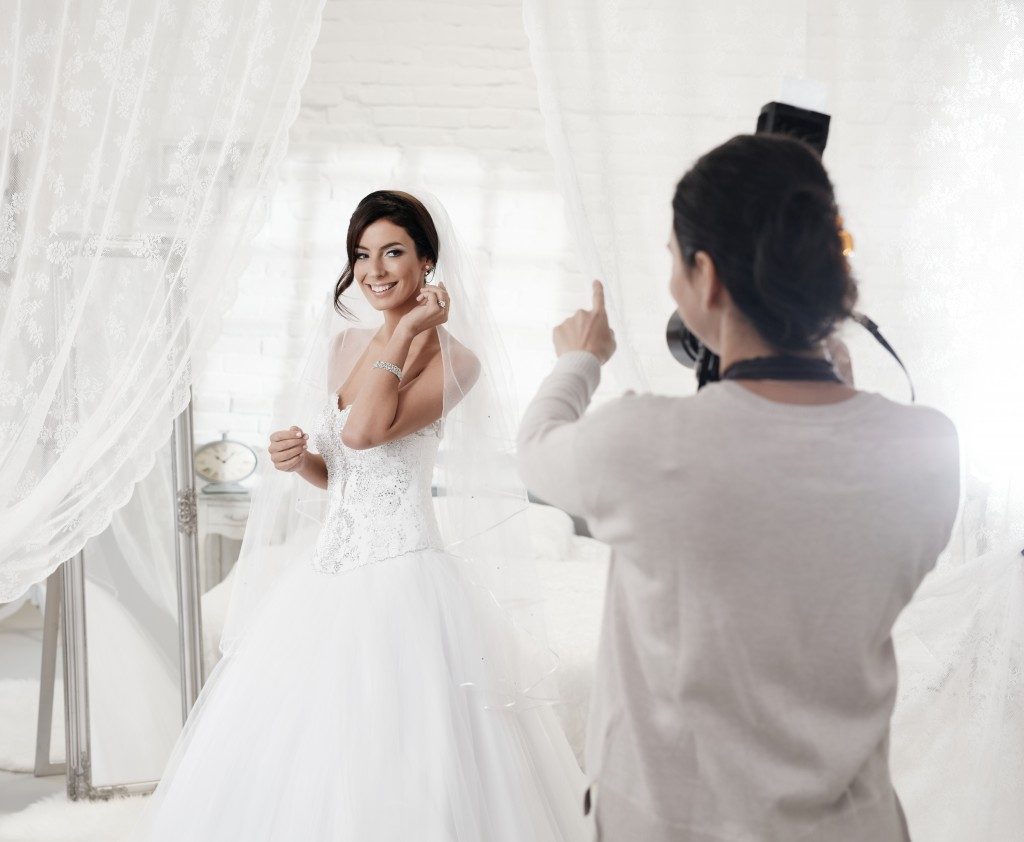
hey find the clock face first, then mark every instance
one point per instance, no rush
(225, 461)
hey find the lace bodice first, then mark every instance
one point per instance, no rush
(379, 499)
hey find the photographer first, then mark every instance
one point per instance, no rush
(765, 532)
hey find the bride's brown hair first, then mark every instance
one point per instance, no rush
(405, 211)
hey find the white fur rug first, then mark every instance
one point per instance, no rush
(55, 819)
(19, 709)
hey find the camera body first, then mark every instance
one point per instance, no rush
(776, 118)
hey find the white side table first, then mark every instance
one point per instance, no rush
(222, 519)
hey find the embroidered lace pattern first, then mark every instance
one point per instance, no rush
(379, 499)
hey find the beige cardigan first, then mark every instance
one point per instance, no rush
(761, 553)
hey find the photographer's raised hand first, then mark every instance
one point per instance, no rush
(550, 429)
(587, 330)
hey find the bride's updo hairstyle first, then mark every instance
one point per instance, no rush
(763, 208)
(405, 211)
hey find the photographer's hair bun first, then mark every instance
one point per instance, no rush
(763, 208)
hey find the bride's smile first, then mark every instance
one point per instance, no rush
(387, 267)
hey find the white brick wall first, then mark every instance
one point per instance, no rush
(442, 91)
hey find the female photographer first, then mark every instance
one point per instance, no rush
(765, 532)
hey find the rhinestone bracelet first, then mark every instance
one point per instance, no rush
(394, 369)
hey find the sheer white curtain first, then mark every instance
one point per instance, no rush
(138, 144)
(927, 104)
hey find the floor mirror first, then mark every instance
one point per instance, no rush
(122, 655)
(124, 613)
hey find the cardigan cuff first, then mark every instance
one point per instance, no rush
(583, 364)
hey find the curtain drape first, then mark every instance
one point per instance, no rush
(138, 146)
(927, 105)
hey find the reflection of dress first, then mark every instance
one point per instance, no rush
(355, 707)
(957, 750)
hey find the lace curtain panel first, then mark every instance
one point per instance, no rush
(927, 105)
(138, 147)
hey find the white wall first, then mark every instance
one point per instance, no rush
(442, 91)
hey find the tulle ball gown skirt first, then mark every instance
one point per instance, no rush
(352, 712)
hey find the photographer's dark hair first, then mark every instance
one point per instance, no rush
(403, 210)
(763, 208)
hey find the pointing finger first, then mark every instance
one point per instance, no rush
(598, 296)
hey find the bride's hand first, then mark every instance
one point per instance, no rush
(432, 310)
(288, 449)
(587, 330)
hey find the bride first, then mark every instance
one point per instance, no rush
(384, 682)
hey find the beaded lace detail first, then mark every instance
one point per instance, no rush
(379, 498)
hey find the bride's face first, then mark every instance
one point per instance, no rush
(386, 267)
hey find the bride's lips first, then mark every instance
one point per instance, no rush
(380, 290)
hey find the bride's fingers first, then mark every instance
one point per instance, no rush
(433, 298)
(281, 454)
(289, 464)
(279, 458)
(284, 445)
(441, 295)
(431, 293)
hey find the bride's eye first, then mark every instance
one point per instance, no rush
(396, 252)
(360, 256)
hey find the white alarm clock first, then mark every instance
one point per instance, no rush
(224, 464)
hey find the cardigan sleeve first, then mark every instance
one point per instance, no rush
(550, 432)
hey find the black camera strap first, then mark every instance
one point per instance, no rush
(689, 350)
(872, 328)
(783, 368)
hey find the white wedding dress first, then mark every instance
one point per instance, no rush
(356, 707)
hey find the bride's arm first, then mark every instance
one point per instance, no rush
(383, 410)
(314, 470)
